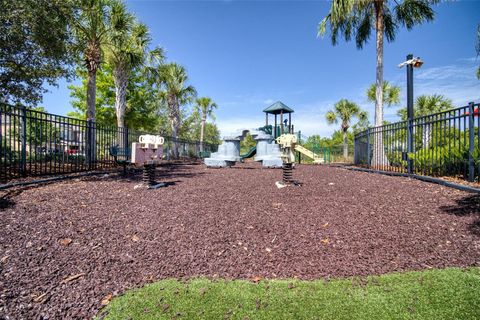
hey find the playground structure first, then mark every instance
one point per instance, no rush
(148, 153)
(267, 149)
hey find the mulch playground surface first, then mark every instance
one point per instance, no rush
(66, 246)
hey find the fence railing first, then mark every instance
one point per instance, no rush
(34, 143)
(444, 144)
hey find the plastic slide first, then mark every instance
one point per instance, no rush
(310, 154)
(250, 153)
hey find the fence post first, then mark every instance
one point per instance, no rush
(368, 148)
(125, 138)
(90, 145)
(23, 141)
(471, 142)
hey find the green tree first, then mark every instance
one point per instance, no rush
(390, 94)
(204, 106)
(90, 28)
(423, 106)
(127, 49)
(353, 18)
(427, 104)
(344, 111)
(34, 41)
(141, 101)
(357, 18)
(174, 93)
(247, 143)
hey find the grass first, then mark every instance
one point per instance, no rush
(434, 294)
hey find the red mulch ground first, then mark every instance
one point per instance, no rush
(231, 223)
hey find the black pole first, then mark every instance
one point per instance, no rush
(410, 113)
(281, 122)
(275, 128)
(290, 122)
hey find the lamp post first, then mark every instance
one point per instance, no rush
(411, 63)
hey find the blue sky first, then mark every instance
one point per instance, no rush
(248, 54)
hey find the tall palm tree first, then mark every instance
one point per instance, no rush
(127, 50)
(204, 106)
(90, 28)
(390, 93)
(344, 111)
(174, 92)
(357, 18)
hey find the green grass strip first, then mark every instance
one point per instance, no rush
(433, 294)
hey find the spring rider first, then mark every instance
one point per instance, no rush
(147, 153)
(287, 144)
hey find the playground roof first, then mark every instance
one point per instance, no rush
(277, 108)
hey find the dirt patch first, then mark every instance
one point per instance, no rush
(66, 246)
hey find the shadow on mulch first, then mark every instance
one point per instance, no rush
(469, 205)
(6, 201)
(164, 171)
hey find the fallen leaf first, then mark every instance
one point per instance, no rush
(256, 279)
(65, 241)
(268, 250)
(40, 297)
(4, 259)
(325, 241)
(291, 286)
(29, 244)
(202, 291)
(135, 238)
(325, 225)
(73, 277)
(106, 300)
(165, 307)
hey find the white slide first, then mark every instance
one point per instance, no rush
(316, 159)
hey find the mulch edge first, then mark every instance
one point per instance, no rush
(418, 177)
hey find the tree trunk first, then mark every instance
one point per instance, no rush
(91, 93)
(202, 131)
(175, 124)
(120, 78)
(345, 145)
(379, 158)
(90, 146)
(174, 116)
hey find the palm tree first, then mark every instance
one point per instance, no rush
(357, 18)
(90, 29)
(127, 50)
(425, 105)
(344, 111)
(174, 92)
(204, 107)
(390, 93)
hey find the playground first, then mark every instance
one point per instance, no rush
(68, 247)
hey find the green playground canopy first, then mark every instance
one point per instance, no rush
(278, 108)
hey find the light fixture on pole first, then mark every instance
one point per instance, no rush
(411, 63)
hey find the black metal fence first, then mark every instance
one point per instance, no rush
(34, 143)
(445, 144)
